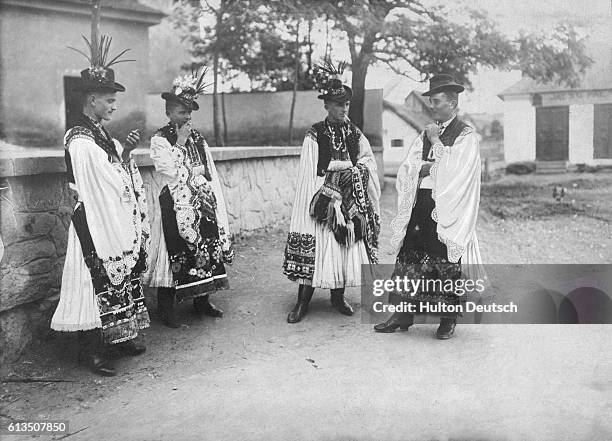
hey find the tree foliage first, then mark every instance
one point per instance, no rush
(418, 41)
(411, 37)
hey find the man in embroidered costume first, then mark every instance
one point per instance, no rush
(101, 296)
(188, 261)
(335, 218)
(438, 186)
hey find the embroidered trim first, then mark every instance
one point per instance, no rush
(122, 308)
(102, 138)
(193, 196)
(364, 205)
(299, 256)
(433, 172)
(438, 150)
(119, 268)
(311, 133)
(406, 201)
(455, 251)
(347, 150)
(78, 132)
(466, 131)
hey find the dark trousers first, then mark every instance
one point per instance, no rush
(423, 255)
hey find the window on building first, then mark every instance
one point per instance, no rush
(397, 143)
(536, 100)
(73, 98)
(602, 132)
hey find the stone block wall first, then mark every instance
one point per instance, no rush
(36, 206)
(34, 215)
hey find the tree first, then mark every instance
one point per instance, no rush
(294, 13)
(558, 58)
(497, 130)
(256, 38)
(214, 34)
(95, 26)
(416, 40)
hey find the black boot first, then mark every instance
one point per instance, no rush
(300, 309)
(92, 353)
(402, 320)
(165, 307)
(202, 305)
(339, 302)
(446, 328)
(135, 346)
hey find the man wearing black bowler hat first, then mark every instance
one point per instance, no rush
(434, 236)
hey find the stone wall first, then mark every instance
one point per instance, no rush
(258, 185)
(263, 117)
(36, 205)
(35, 213)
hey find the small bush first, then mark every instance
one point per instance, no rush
(521, 168)
(586, 168)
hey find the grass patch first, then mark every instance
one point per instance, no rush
(530, 197)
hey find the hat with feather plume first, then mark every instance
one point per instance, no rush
(187, 88)
(328, 81)
(99, 76)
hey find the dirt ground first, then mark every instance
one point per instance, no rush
(250, 375)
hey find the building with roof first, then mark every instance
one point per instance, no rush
(559, 126)
(401, 125)
(38, 70)
(417, 103)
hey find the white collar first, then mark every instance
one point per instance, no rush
(445, 124)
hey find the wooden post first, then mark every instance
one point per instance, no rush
(487, 167)
(224, 118)
(95, 28)
(296, 79)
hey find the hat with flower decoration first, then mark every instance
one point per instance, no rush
(99, 76)
(328, 81)
(186, 89)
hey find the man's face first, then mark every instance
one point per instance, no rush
(337, 111)
(179, 114)
(103, 104)
(441, 107)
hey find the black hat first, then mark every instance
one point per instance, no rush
(442, 82)
(99, 76)
(186, 89)
(328, 82)
(102, 80)
(336, 91)
(185, 99)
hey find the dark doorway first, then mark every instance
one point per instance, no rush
(552, 133)
(602, 132)
(73, 97)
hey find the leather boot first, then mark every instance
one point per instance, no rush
(402, 320)
(135, 346)
(165, 307)
(446, 328)
(339, 302)
(300, 309)
(92, 353)
(202, 305)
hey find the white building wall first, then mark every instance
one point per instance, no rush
(519, 129)
(395, 128)
(581, 120)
